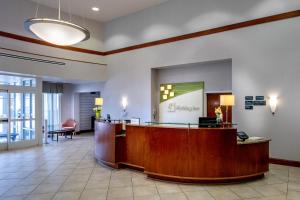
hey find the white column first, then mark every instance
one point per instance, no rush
(39, 111)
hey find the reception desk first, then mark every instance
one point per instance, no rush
(182, 154)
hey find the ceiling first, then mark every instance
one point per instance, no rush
(109, 9)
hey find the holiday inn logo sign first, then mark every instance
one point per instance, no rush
(181, 102)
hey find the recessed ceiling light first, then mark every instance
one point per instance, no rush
(96, 9)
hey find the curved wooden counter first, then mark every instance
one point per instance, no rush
(106, 143)
(190, 155)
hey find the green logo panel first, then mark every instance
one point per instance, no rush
(172, 90)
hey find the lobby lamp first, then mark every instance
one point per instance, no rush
(98, 109)
(99, 102)
(227, 100)
(273, 104)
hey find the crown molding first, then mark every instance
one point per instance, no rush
(40, 42)
(230, 27)
(240, 25)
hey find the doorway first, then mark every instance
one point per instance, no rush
(17, 112)
(86, 113)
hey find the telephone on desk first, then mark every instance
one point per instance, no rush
(242, 135)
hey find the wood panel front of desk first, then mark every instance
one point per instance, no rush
(190, 155)
(135, 147)
(107, 149)
(182, 154)
(196, 155)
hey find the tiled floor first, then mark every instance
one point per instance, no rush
(67, 170)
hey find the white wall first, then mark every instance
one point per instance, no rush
(265, 60)
(67, 102)
(177, 17)
(216, 75)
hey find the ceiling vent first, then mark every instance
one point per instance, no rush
(7, 55)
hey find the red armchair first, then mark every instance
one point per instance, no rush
(70, 125)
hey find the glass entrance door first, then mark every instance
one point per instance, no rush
(4, 119)
(20, 115)
(17, 119)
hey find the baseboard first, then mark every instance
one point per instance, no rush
(291, 163)
(84, 131)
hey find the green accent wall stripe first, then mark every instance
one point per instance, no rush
(179, 89)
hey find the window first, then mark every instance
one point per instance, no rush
(17, 81)
(52, 110)
(22, 114)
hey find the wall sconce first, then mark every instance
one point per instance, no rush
(124, 104)
(273, 104)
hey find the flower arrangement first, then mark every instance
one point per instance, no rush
(218, 110)
(97, 111)
(219, 114)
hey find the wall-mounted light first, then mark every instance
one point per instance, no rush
(96, 9)
(273, 103)
(124, 103)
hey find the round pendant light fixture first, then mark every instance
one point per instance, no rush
(57, 31)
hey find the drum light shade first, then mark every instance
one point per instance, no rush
(57, 32)
(99, 101)
(227, 100)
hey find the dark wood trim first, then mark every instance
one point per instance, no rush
(291, 163)
(204, 180)
(131, 166)
(36, 41)
(254, 22)
(54, 57)
(108, 164)
(230, 27)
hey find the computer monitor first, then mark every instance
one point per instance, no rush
(206, 122)
(108, 117)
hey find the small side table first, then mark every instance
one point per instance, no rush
(61, 132)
